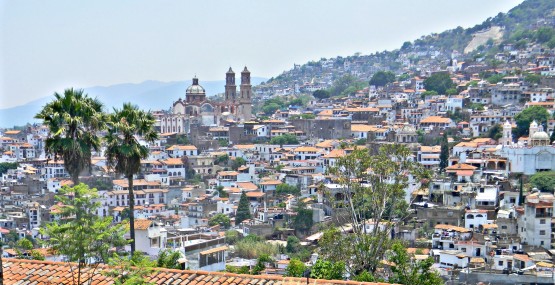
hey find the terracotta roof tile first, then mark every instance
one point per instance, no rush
(28, 272)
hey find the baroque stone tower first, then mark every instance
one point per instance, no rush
(245, 102)
(230, 90)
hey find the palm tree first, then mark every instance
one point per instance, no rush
(124, 152)
(73, 120)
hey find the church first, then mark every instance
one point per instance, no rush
(529, 155)
(197, 110)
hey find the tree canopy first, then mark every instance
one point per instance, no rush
(237, 162)
(439, 82)
(382, 78)
(295, 268)
(80, 234)
(407, 270)
(321, 94)
(73, 120)
(123, 150)
(284, 139)
(243, 209)
(4, 166)
(220, 219)
(527, 116)
(544, 181)
(380, 198)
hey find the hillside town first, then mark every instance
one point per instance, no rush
(484, 213)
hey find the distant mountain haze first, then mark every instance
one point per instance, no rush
(148, 95)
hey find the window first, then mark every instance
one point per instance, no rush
(542, 222)
(500, 263)
(503, 227)
(542, 232)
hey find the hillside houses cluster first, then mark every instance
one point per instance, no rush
(471, 215)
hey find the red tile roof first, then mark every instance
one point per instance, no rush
(19, 271)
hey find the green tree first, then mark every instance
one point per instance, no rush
(380, 198)
(80, 235)
(36, 255)
(439, 82)
(286, 189)
(476, 106)
(260, 264)
(232, 236)
(73, 120)
(23, 246)
(123, 150)
(253, 246)
(168, 259)
(343, 83)
(404, 76)
(293, 244)
(321, 94)
(494, 79)
(243, 209)
(328, 270)
(270, 108)
(532, 78)
(130, 271)
(221, 159)
(284, 139)
(544, 34)
(238, 162)
(544, 181)
(220, 219)
(382, 78)
(295, 268)
(303, 221)
(527, 116)
(4, 166)
(406, 45)
(495, 132)
(406, 270)
(451, 91)
(444, 154)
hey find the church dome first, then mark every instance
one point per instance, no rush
(540, 136)
(195, 88)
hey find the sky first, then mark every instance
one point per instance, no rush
(47, 46)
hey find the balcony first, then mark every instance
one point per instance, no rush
(544, 215)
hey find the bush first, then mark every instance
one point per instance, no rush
(544, 181)
(254, 247)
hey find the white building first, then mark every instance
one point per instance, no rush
(534, 220)
(150, 237)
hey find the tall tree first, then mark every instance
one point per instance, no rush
(527, 116)
(296, 268)
(123, 150)
(406, 270)
(73, 120)
(439, 82)
(243, 209)
(372, 192)
(80, 234)
(444, 154)
(382, 78)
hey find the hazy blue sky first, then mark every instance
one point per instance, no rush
(46, 46)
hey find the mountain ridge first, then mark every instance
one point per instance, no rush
(147, 95)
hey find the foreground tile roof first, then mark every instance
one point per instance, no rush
(21, 272)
